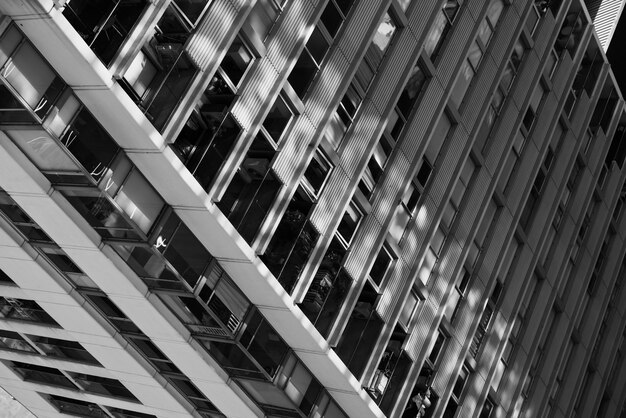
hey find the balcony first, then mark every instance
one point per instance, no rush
(104, 24)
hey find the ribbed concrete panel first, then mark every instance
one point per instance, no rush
(474, 205)
(293, 149)
(295, 24)
(360, 137)
(389, 298)
(386, 201)
(479, 92)
(524, 79)
(455, 50)
(208, 40)
(393, 68)
(363, 20)
(447, 366)
(421, 333)
(444, 273)
(331, 198)
(248, 106)
(505, 31)
(420, 18)
(501, 138)
(446, 168)
(361, 255)
(496, 246)
(320, 102)
(420, 226)
(422, 122)
(471, 308)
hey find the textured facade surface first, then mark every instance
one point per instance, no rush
(311, 208)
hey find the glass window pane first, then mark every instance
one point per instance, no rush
(42, 150)
(140, 201)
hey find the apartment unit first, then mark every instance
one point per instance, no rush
(310, 208)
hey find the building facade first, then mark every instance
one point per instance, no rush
(307, 208)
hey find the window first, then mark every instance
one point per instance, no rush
(344, 116)
(21, 221)
(457, 392)
(24, 310)
(295, 237)
(458, 193)
(106, 36)
(537, 189)
(76, 407)
(442, 24)
(407, 208)
(477, 50)
(113, 313)
(409, 308)
(382, 265)
(513, 160)
(349, 222)
(34, 82)
(383, 37)
(432, 255)
(437, 348)
(160, 73)
(572, 31)
(318, 45)
(488, 409)
(317, 172)
(264, 15)
(10, 340)
(278, 118)
(193, 9)
(375, 166)
(406, 102)
(253, 189)
(458, 295)
(485, 320)
(499, 96)
(55, 347)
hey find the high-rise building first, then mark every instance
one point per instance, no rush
(306, 208)
(605, 16)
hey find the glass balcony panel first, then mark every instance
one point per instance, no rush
(102, 215)
(186, 254)
(46, 153)
(264, 344)
(140, 201)
(32, 78)
(234, 360)
(266, 394)
(43, 375)
(12, 112)
(63, 349)
(90, 144)
(9, 41)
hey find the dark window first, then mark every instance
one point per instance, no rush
(278, 119)
(317, 172)
(252, 191)
(104, 36)
(437, 349)
(293, 241)
(154, 355)
(55, 347)
(25, 310)
(349, 222)
(43, 375)
(14, 341)
(381, 265)
(102, 386)
(113, 314)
